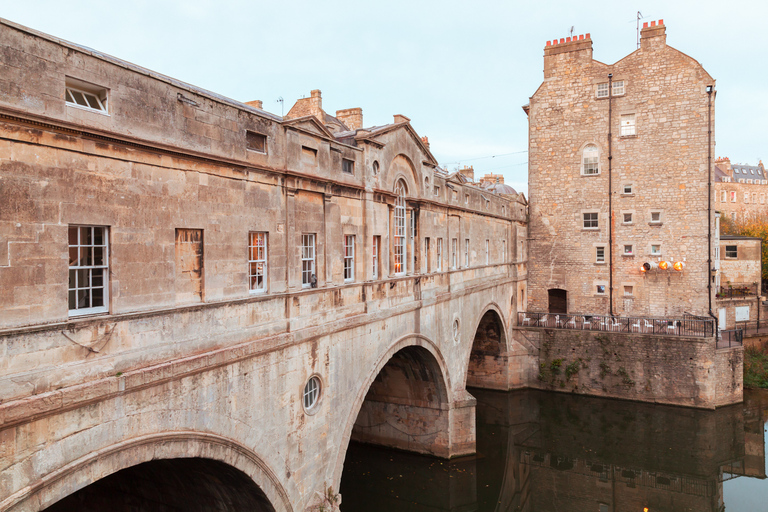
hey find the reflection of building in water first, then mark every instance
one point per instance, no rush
(547, 452)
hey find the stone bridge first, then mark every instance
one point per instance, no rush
(393, 359)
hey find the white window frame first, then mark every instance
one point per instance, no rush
(308, 259)
(375, 256)
(659, 218)
(655, 249)
(427, 255)
(624, 218)
(466, 252)
(723, 196)
(598, 257)
(349, 258)
(629, 250)
(85, 269)
(618, 88)
(628, 126)
(454, 250)
(625, 187)
(487, 251)
(600, 288)
(257, 261)
(90, 94)
(590, 160)
(400, 247)
(732, 252)
(439, 266)
(601, 91)
(437, 191)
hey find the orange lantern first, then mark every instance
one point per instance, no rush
(679, 266)
(664, 265)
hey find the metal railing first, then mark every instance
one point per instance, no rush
(730, 338)
(731, 292)
(699, 328)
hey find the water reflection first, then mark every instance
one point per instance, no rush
(542, 452)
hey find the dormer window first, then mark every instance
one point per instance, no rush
(84, 95)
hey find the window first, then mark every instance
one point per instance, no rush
(600, 289)
(503, 251)
(399, 234)
(375, 167)
(427, 255)
(466, 198)
(308, 155)
(733, 197)
(311, 393)
(618, 87)
(88, 270)
(627, 218)
(754, 197)
(655, 250)
(655, 217)
(466, 252)
(454, 249)
(628, 250)
(602, 90)
(257, 261)
(590, 220)
(437, 191)
(599, 254)
(627, 188)
(413, 238)
(723, 196)
(255, 141)
(376, 254)
(347, 166)
(627, 125)
(590, 160)
(308, 277)
(746, 197)
(503, 210)
(487, 251)
(349, 258)
(439, 254)
(85, 95)
(628, 290)
(731, 251)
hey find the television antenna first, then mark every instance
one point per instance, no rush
(282, 106)
(571, 32)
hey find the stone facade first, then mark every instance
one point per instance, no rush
(619, 178)
(739, 278)
(179, 266)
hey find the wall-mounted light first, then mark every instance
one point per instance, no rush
(648, 265)
(664, 265)
(679, 266)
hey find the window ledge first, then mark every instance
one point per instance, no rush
(600, 263)
(655, 223)
(627, 255)
(632, 194)
(88, 109)
(628, 136)
(589, 175)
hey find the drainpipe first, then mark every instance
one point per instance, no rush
(610, 194)
(709, 204)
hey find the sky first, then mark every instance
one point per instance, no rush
(460, 70)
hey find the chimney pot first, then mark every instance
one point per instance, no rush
(645, 24)
(587, 36)
(661, 22)
(562, 40)
(581, 36)
(567, 39)
(549, 43)
(653, 23)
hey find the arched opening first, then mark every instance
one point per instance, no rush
(558, 301)
(190, 484)
(406, 405)
(488, 361)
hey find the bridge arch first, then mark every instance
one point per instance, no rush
(102, 463)
(410, 357)
(488, 359)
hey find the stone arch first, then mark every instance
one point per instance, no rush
(99, 464)
(402, 168)
(488, 359)
(411, 340)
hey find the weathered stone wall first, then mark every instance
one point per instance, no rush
(746, 268)
(650, 368)
(664, 162)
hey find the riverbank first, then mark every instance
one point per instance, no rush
(755, 368)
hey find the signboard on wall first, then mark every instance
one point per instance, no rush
(742, 313)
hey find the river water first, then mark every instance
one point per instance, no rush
(553, 452)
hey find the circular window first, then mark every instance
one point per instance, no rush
(311, 393)
(375, 167)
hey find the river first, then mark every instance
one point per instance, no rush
(553, 452)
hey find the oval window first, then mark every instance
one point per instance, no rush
(311, 393)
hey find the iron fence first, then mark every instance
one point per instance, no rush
(730, 338)
(730, 292)
(687, 326)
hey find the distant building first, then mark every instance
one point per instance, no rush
(740, 190)
(740, 278)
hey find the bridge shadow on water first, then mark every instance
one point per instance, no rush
(542, 452)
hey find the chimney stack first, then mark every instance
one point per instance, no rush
(316, 105)
(352, 117)
(567, 54)
(425, 140)
(399, 118)
(469, 172)
(653, 35)
(256, 104)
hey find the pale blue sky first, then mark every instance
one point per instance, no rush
(459, 70)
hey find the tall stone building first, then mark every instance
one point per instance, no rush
(619, 181)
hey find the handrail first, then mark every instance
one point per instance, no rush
(699, 328)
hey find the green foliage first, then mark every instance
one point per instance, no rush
(555, 365)
(755, 368)
(625, 378)
(572, 369)
(604, 369)
(757, 226)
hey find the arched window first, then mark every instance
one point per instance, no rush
(590, 160)
(399, 234)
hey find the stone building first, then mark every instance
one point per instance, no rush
(739, 280)
(185, 275)
(618, 181)
(740, 190)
